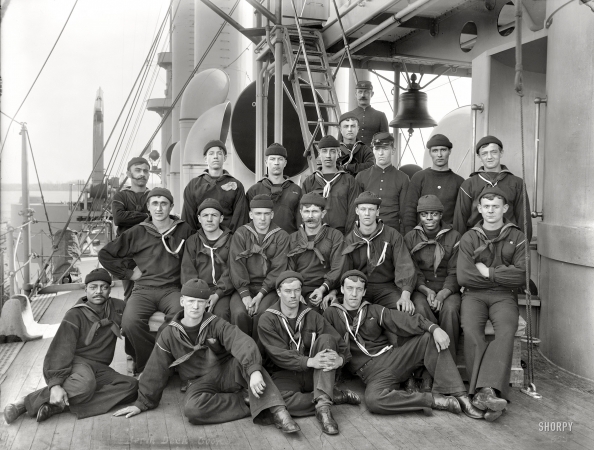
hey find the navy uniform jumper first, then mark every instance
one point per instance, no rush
(371, 121)
(285, 196)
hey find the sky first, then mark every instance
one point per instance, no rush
(104, 45)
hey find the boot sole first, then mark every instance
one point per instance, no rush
(493, 406)
(11, 414)
(280, 427)
(491, 416)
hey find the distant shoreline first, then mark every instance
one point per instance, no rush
(35, 187)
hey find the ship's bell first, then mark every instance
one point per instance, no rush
(412, 109)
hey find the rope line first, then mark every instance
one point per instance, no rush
(40, 189)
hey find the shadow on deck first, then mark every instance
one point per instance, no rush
(566, 399)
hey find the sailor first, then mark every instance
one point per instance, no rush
(315, 251)
(76, 366)
(491, 174)
(305, 352)
(382, 367)
(224, 366)
(378, 250)
(433, 245)
(217, 183)
(491, 267)
(284, 193)
(336, 186)
(129, 205)
(438, 180)
(257, 256)
(354, 156)
(156, 246)
(371, 121)
(386, 181)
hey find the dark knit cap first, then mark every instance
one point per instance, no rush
(210, 203)
(196, 288)
(275, 150)
(488, 140)
(353, 273)
(288, 274)
(429, 203)
(439, 140)
(161, 192)
(382, 138)
(347, 116)
(262, 201)
(328, 142)
(364, 84)
(214, 143)
(312, 198)
(137, 160)
(98, 275)
(368, 198)
(494, 191)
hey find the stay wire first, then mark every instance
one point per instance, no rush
(40, 188)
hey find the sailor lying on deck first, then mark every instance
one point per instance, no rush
(224, 366)
(382, 367)
(76, 366)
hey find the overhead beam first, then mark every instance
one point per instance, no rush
(263, 10)
(230, 20)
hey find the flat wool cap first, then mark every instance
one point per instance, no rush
(286, 275)
(488, 140)
(161, 192)
(353, 273)
(214, 143)
(368, 198)
(429, 203)
(382, 138)
(275, 150)
(439, 140)
(137, 160)
(493, 191)
(364, 84)
(348, 116)
(98, 275)
(196, 288)
(262, 201)
(328, 142)
(210, 203)
(312, 198)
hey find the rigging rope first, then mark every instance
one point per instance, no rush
(40, 189)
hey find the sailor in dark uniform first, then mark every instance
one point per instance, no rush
(355, 155)
(371, 121)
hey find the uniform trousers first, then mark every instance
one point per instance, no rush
(142, 304)
(218, 396)
(488, 363)
(301, 390)
(386, 295)
(383, 375)
(240, 317)
(448, 318)
(93, 389)
(222, 308)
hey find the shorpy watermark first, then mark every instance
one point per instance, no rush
(555, 427)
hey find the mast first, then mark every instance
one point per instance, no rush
(25, 211)
(98, 169)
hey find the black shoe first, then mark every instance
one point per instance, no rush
(284, 421)
(13, 411)
(183, 387)
(347, 397)
(427, 383)
(324, 416)
(491, 416)
(47, 410)
(411, 385)
(446, 403)
(487, 399)
(468, 408)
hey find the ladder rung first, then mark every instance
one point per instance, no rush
(315, 122)
(316, 86)
(325, 105)
(309, 53)
(312, 69)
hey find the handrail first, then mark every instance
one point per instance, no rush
(536, 213)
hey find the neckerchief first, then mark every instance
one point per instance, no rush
(296, 338)
(180, 334)
(439, 252)
(487, 244)
(256, 248)
(212, 182)
(304, 244)
(353, 330)
(373, 260)
(215, 258)
(500, 175)
(97, 322)
(327, 184)
(275, 191)
(167, 237)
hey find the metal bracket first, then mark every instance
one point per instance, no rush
(434, 30)
(530, 391)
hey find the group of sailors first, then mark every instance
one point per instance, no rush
(273, 295)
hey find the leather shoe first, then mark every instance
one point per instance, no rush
(490, 416)
(446, 403)
(324, 416)
(284, 421)
(47, 410)
(347, 397)
(411, 385)
(487, 399)
(468, 408)
(13, 411)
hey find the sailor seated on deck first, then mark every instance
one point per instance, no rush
(156, 246)
(76, 366)
(224, 366)
(382, 367)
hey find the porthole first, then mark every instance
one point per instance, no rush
(468, 37)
